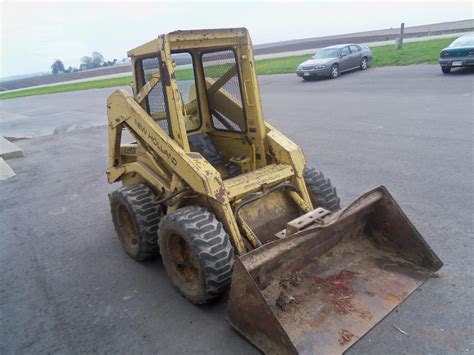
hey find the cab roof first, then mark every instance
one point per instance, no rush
(190, 39)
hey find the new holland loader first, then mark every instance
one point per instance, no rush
(228, 201)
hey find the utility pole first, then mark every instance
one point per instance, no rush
(399, 40)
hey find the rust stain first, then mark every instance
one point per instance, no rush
(220, 195)
(345, 337)
(453, 345)
(338, 290)
(392, 299)
(424, 333)
(365, 315)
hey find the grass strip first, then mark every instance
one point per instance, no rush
(411, 53)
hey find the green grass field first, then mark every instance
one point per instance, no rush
(412, 53)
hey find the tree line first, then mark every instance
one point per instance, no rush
(96, 60)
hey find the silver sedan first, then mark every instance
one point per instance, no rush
(334, 60)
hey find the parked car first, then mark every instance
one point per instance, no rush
(460, 53)
(334, 60)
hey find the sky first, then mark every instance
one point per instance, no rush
(34, 34)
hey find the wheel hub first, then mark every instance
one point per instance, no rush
(185, 263)
(128, 228)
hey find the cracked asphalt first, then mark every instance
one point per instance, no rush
(67, 287)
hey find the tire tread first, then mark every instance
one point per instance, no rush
(211, 244)
(140, 200)
(323, 193)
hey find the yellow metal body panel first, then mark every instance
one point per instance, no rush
(253, 181)
(167, 163)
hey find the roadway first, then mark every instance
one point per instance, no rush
(270, 50)
(67, 287)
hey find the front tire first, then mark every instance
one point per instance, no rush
(196, 252)
(364, 63)
(136, 217)
(334, 71)
(321, 191)
(445, 69)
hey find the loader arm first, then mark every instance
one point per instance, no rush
(192, 168)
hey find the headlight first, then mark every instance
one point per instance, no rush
(321, 66)
(299, 67)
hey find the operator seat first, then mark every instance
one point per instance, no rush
(202, 144)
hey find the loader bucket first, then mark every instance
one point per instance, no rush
(320, 290)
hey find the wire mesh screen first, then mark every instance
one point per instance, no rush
(156, 98)
(224, 94)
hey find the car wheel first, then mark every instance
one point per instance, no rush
(364, 64)
(445, 69)
(334, 71)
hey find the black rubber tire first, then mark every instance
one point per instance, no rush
(362, 66)
(197, 253)
(135, 206)
(331, 74)
(321, 191)
(446, 69)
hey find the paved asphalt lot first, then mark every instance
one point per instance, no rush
(67, 287)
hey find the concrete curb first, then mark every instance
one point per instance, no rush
(6, 171)
(8, 150)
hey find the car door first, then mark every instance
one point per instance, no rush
(345, 62)
(356, 56)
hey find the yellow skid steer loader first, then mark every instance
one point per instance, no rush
(227, 200)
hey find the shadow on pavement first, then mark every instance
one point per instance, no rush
(462, 71)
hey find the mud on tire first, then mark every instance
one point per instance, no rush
(136, 217)
(321, 191)
(196, 252)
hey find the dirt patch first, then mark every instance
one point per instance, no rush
(286, 301)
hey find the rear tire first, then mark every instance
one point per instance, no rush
(446, 69)
(321, 191)
(196, 252)
(136, 217)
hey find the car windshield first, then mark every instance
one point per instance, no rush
(463, 41)
(327, 53)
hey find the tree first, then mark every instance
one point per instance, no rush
(97, 59)
(109, 63)
(87, 61)
(91, 62)
(57, 67)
